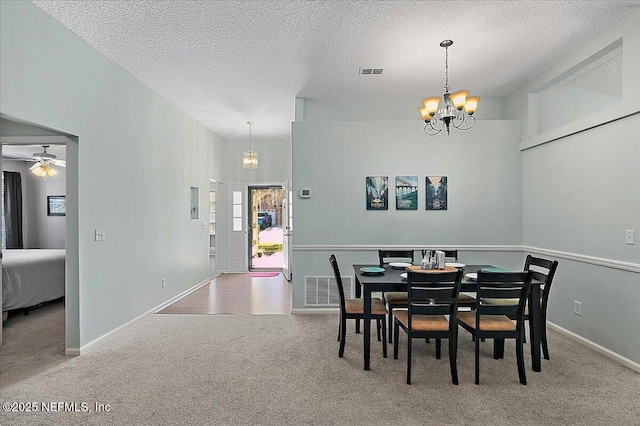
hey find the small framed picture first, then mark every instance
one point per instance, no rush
(377, 192)
(436, 193)
(56, 205)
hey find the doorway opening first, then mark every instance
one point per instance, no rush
(265, 231)
(213, 195)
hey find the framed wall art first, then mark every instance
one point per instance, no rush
(436, 192)
(56, 205)
(377, 192)
(406, 192)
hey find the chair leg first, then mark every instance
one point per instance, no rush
(543, 338)
(378, 328)
(409, 339)
(520, 357)
(390, 309)
(498, 348)
(396, 331)
(343, 335)
(477, 341)
(453, 353)
(384, 337)
(438, 348)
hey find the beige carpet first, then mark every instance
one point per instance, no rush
(284, 370)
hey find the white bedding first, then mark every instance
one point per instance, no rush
(31, 276)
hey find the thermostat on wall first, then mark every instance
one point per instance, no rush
(305, 193)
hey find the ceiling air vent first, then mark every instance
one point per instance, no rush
(369, 71)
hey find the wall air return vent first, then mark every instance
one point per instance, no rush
(323, 291)
(369, 71)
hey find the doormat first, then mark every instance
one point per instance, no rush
(263, 274)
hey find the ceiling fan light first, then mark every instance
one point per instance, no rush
(431, 104)
(43, 170)
(459, 98)
(471, 104)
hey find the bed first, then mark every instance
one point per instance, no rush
(31, 277)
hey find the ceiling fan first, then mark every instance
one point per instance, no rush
(44, 160)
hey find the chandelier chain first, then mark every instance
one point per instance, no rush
(446, 72)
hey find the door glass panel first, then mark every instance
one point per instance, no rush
(237, 210)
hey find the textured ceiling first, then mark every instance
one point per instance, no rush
(229, 62)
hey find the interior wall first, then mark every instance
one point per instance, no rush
(333, 158)
(137, 157)
(274, 161)
(580, 194)
(39, 230)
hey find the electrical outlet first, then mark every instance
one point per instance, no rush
(164, 282)
(630, 237)
(577, 307)
(99, 234)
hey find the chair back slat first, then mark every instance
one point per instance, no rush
(428, 286)
(508, 285)
(338, 277)
(386, 256)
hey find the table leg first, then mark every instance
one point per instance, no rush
(535, 326)
(358, 295)
(367, 327)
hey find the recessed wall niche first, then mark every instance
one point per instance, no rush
(589, 88)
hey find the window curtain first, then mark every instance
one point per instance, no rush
(13, 209)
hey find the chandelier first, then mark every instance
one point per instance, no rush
(456, 109)
(250, 158)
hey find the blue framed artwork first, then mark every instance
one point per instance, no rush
(377, 192)
(436, 192)
(406, 192)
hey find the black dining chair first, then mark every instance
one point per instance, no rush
(423, 319)
(464, 300)
(354, 309)
(494, 321)
(543, 270)
(394, 299)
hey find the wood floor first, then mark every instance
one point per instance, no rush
(236, 294)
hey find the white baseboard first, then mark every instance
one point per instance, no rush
(101, 339)
(179, 296)
(600, 349)
(314, 311)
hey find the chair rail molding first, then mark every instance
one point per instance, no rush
(346, 247)
(592, 260)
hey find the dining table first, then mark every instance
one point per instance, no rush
(390, 280)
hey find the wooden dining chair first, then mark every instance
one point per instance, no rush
(394, 299)
(494, 321)
(354, 309)
(543, 270)
(464, 300)
(427, 320)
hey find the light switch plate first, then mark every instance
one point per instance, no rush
(630, 236)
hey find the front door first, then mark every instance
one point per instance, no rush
(287, 229)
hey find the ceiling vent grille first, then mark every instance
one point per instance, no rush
(369, 71)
